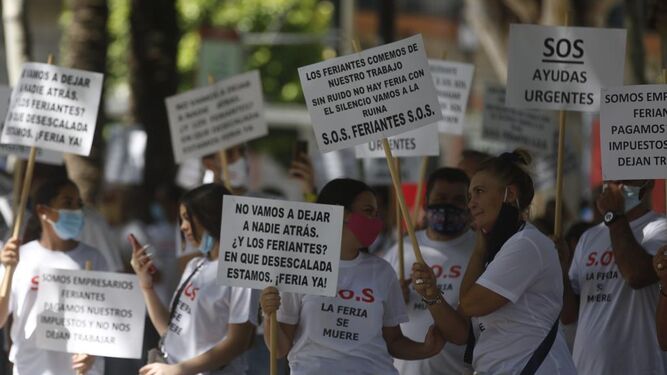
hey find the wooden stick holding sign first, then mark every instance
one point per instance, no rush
(222, 155)
(395, 178)
(20, 210)
(420, 188)
(558, 219)
(399, 234)
(274, 343)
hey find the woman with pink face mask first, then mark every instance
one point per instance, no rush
(357, 331)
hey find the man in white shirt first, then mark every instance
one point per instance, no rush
(446, 245)
(613, 290)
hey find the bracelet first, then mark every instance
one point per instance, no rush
(662, 291)
(434, 301)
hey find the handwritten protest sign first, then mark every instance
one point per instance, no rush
(22, 152)
(212, 118)
(423, 141)
(370, 95)
(563, 68)
(633, 125)
(291, 245)
(529, 129)
(54, 108)
(452, 83)
(98, 313)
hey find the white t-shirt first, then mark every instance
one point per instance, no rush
(616, 332)
(27, 358)
(204, 310)
(343, 334)
(449, 260)
(527, 272)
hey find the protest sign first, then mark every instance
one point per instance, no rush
(452, 83)
(212, 118)
(376, 172)
(54, 108)
(293, 246)
(423, 141)
(373, 94)
(22, 152)
(563, 68)
(98, 313)
(633, 135)
(529, 129)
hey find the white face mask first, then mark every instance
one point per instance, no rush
(238, 173)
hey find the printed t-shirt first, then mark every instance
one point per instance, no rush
(449, 260)
(616, 331)
(204, 310)
(527, 272)
(343, 334)
(27, 358)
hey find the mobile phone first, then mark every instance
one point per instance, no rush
(300, 147)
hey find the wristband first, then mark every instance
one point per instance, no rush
(431, 302)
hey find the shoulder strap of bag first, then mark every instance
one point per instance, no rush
(541, 352)
(179, 292)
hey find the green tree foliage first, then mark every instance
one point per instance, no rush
(277, 63)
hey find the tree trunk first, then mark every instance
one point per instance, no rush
(661, 24)
(17, 37)
(635, 18)
(86, 49)
(154, 77)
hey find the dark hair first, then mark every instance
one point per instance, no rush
(453, 175)
(342, 192)
(205, 204)
(508, 169)
(45, 193)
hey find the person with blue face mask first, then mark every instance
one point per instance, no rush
(446, 245)
(613, 289)
(207, 327)
(57, 212)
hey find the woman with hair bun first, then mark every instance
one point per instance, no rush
(512, 291)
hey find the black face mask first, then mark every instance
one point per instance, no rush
(509, 222)
(446, 218)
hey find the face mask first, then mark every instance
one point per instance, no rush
(69, 224)
(507, 223)
(631, 195)
(206, 244)
(365, 229)
(446, 219)
(238, 173)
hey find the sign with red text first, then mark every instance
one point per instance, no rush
(212, 118)
(293, 246)
(419, 142)
(98, 313)
(633, 132)
(563, 68)
(452, 83)
(54, 108)
(370, 95)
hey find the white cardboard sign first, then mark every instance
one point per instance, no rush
(293, 246)
(23, 152)
(563, 68)
(98, 313)
(54, 108)
(365, 96)
(633, 132)
(212, 118)
(529, 129)
(452, 83)
(423, 141)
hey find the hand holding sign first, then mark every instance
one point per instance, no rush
(10, 253)
(82, 363)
